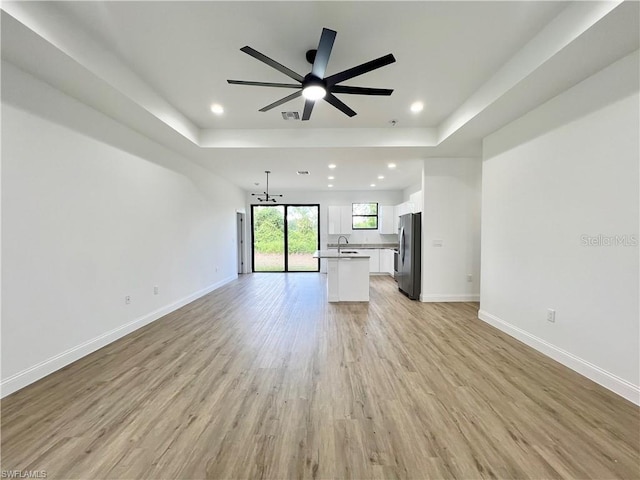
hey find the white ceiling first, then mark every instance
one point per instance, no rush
(186, 51)
(158, 66)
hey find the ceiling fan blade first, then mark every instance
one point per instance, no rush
(361, 90)
(264, 84)
(359, 70)
(308, 107)
(282, 100)
(339, 104)
(323, 53)
(272, 63)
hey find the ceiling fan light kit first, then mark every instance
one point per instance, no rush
(315, 86)
(314, 90)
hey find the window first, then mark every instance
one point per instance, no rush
(364, 216)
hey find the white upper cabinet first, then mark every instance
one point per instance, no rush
(346, 222)
(387, 220)
(401, 209)
(339, 220)
(414, 205)
(416, 200)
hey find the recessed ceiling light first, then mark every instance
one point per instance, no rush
(391, 165)
(332, 165)
(329, 185)
(417, 107)
(331, 177)
(380, 177)
(217, 109)
(372, 185)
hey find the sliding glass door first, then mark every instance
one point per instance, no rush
(285, 237)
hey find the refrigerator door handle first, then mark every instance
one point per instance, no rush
(402, 245)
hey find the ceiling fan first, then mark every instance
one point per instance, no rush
(315, 86)
(265, 196)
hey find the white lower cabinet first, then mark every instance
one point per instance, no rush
(374, 258)
(386, 261)
(380, 259)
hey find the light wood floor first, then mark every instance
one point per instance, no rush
(263, 379)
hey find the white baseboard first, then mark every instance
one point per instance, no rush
(461, 297)
(46, 367)
(608, 380)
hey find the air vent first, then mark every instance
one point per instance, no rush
(291, 115)
(303, 172)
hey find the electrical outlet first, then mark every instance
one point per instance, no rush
(551, 315)
(127, 300)
(469, 278)
(156, 290)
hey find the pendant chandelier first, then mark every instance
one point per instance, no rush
(266, 196)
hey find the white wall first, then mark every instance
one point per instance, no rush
(568, 169)
(85, 223)
(451, 218)
(330, 198)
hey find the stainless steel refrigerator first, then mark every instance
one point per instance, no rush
(409, 257)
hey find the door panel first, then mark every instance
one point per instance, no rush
(268, 238)
(302, 238)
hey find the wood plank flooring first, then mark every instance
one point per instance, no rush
(262, 379)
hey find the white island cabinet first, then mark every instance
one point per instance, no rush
(347, 276)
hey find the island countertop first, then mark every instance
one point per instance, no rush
(348, 246)
(334, 254)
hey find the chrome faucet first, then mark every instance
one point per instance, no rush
(345, 239)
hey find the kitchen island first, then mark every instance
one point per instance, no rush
(347, 275)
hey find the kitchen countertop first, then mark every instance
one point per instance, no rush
(347, 246)
(334, 254)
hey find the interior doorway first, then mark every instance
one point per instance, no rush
(284, 238)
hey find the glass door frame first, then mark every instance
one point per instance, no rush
(286, 237)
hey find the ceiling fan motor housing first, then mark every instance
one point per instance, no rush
(311, 80)
(311, 56)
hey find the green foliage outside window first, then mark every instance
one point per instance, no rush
(364, 216)
(303, 229)
(269, 229)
